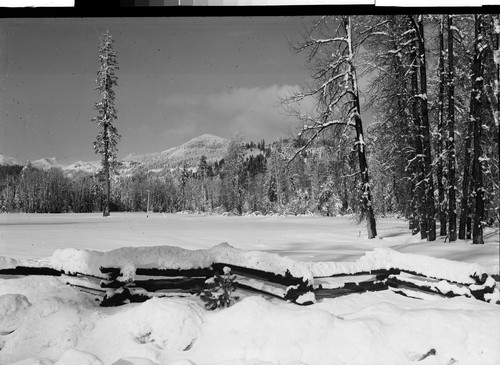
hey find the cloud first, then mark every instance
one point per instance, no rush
(253, 113)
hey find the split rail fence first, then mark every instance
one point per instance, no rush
(110, 290)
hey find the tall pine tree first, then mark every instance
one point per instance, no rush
(106, 141)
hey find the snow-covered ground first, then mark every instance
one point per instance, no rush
(43, 321)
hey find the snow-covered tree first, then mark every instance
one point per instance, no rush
(234, 176)
(450, 142)
(332, 51)
(393, 139)
(420, 93)
(106, 141)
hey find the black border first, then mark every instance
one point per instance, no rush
(88, 8)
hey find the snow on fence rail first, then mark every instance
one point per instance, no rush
(139, 273)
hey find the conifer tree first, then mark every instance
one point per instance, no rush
(106, 141)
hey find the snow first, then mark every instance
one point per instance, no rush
(128, 259)
(308, 297)
(8, 161)
(12, 307)
(91, 167)
(7, 262)
(45, 321)
(386, 258)
(213, 147)
(72, 357)
(387, 329)
(46, 163)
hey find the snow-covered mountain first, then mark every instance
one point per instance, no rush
(46, 163)
(8, 161)
(43, 163)
(86, 166)
(211, 146)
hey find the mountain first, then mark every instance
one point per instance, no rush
(43, 163)
(8, 161)
(86, 166)
(211, 146)
(46, 163)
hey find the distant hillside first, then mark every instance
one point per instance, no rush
(211, 146)
(46, 163)
(189, 153)
(86, 166)
(8, 161)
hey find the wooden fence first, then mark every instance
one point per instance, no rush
(110, 290)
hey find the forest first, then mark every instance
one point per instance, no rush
(405, 123)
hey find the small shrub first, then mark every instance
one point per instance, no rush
(219, 291)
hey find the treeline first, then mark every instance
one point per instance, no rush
(432, 84)
(262, 181)
(322, 180)
(435, 143)
(31, 190)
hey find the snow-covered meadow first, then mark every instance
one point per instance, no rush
(44, 321)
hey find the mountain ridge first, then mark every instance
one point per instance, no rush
(8, 161)
(189, 153)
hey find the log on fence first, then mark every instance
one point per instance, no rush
(138, 295)
(287, 287)
(114, 272)
(153, 285)
(27, 270)
(191, 281)
(430, 288)
(351, 288)
(381, 279)
(111, 289)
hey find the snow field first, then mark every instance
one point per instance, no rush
(44, 321)
(370, 328)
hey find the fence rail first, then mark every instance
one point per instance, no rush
(158, 282)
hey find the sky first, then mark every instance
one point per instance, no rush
(178, 78)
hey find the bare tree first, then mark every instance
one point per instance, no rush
(422, 96)
(331, 54)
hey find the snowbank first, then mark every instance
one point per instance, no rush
(128, 259)
(7, 263)
(379, 329)
(12, 308)
(44, 321)
(386, 258)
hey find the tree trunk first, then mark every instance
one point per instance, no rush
(360, 141)
(468, 181)
(440, 133)
(105, 211)
(477, 230)
(419, 192)
(430, 208)
(365, 182)
(465, 207)
(495, 81)
(450, 144)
